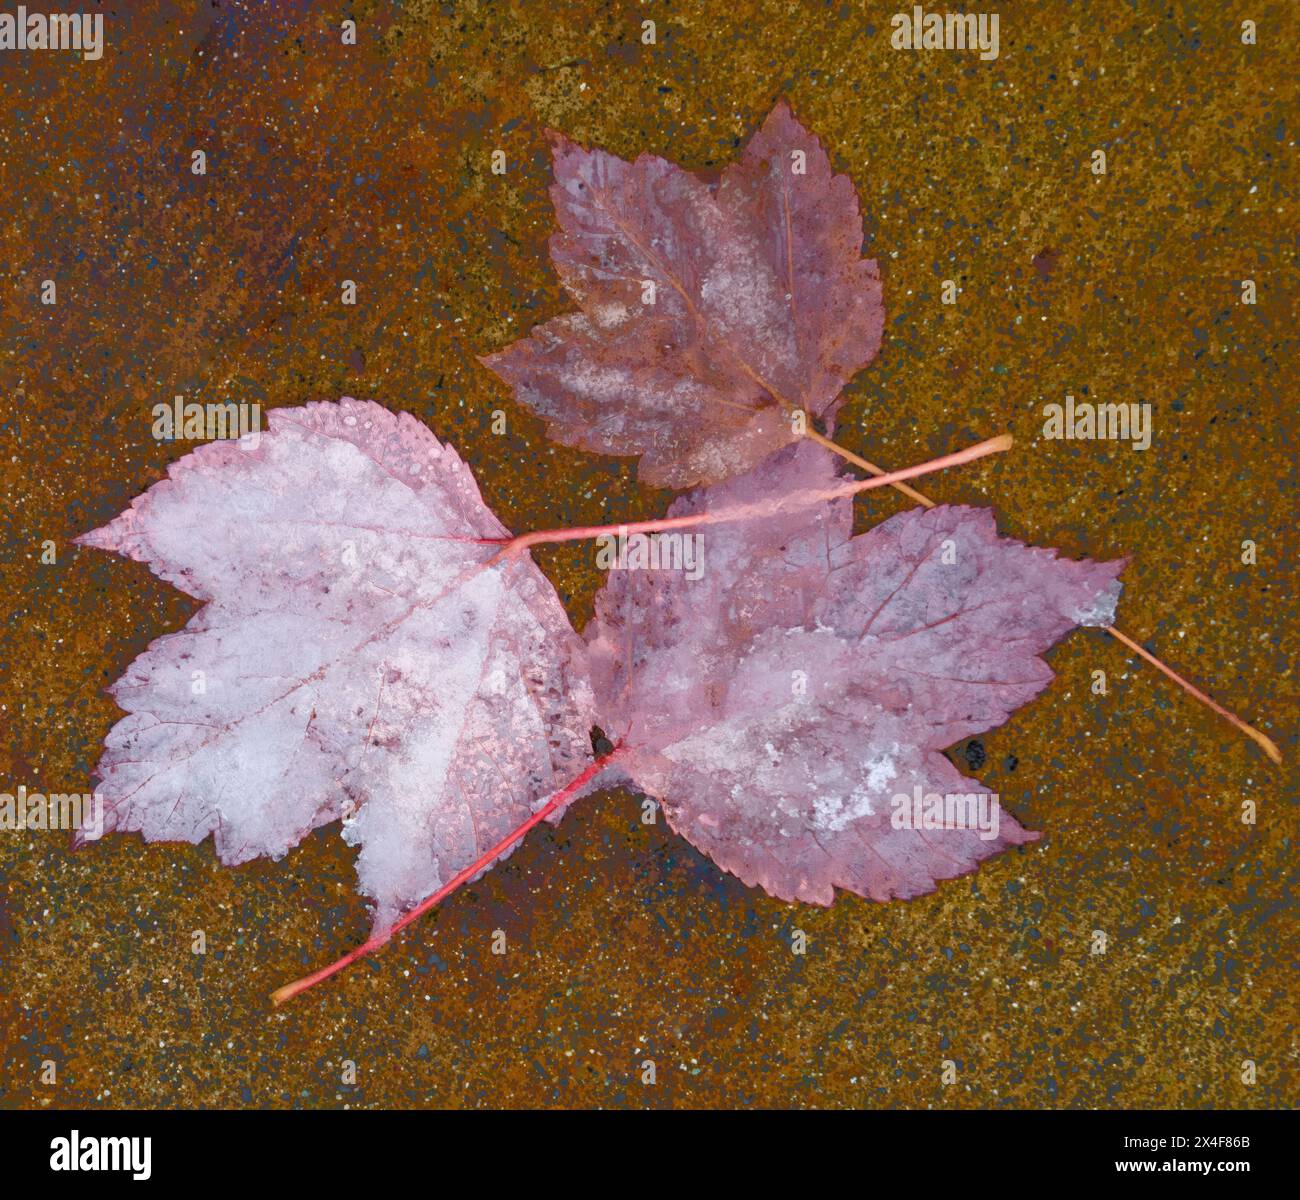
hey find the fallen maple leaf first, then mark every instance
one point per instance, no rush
(711, 313)
(777, 704)
(357, 659)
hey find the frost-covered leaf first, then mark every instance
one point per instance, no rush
(709, 310)
(777, 704)
(356, 659)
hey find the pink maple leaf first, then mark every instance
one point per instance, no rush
(363, 656)
(710, 312)
(779, 703)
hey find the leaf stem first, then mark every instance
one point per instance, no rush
(1262, 740)
(1265, 743)
(870, 468)
(762, 508)
(290, 990)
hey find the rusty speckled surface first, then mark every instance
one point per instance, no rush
(371, 163)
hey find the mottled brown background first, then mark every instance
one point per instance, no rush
(371, 163)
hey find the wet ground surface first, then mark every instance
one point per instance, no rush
(372, 163)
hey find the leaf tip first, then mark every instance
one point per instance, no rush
(102, 538)
(560, 143)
